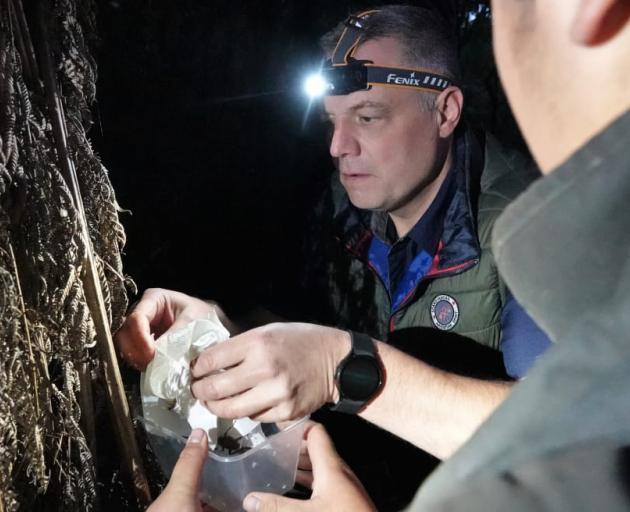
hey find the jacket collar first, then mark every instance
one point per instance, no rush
(562, 245)
(458, 248)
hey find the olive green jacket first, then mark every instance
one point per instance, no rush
(463, 277)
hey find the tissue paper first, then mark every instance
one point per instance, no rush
(168, 378)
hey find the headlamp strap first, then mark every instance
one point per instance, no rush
(415, 78)
(349, 38)
(355, 75)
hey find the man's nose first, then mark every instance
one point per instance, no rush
(343, 142)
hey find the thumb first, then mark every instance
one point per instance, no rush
(134, 340)
(266, 502)
(187, 472)
(321, 451)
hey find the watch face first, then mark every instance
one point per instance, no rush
(359, 379)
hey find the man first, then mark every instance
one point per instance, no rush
(424, 198)
(560, 441)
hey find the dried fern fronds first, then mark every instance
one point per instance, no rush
(48, 235)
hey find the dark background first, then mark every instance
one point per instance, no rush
(201, 122)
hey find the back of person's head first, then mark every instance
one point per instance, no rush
(565, 68)
(428, 40)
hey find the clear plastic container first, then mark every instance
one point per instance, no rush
(268, 467)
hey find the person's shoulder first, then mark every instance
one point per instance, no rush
(507, 160)
(507, 171)
(585, 476)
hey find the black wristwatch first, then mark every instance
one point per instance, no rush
(358, 376)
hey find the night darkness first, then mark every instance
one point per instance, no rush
(200, 122)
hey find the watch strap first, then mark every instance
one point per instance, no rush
(347, 406)
(361, 345)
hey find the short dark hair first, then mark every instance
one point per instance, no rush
(428, 40)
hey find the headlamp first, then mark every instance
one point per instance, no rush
(342, 74)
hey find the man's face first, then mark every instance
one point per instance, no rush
(385, 142)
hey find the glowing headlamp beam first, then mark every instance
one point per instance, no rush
(316, 86)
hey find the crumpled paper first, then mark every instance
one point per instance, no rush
(168, 376)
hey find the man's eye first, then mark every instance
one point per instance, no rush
(366, 119)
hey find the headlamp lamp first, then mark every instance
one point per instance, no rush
(343, 74)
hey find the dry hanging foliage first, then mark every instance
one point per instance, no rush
(48, 333)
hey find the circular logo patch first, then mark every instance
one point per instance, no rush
(444, 312)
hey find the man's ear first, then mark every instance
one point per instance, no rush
(597, 21)
(449, 105)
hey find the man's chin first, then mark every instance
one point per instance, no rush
(365, 204)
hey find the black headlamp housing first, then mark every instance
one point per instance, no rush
(347, 78)
(360, 75)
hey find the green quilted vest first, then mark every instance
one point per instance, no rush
(463, 297)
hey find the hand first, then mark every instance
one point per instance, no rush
(335, 487)
(158, 312)
(304, 473)
(274, 373)
(182, 492)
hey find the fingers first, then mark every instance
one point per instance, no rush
(304, 478)
(135, 337)
(308, 425)
(135, 341)
(158, 312)
(218, 357)
(155, 305)
(187, 471)
(184, 482)
(304, 461)
(304, 474)
(225, 384)
(335, 487)
(265, 403)
(322, 453)
(265, 502)
(330, 469)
